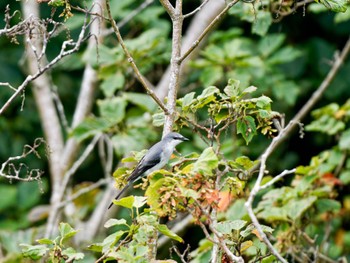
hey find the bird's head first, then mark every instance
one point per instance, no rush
(175, 138)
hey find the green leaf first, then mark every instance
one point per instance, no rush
(250, 89)
(262, 23)
(211, 75)
(270, 43)
(152, 193)
(342, 17)
(115, 222)
(96, 247)
(57, 3)
(158, 119)
(246, 126)
(328, 205)
(113, 109)
(139, 201)
(345, 176)
(90, 127)
(34, 252)
(206, 162)
(142, 100)
(273, 214)
(284, 55)
(187, 100)
(28, 194)
(207, 96)
(263, 102)
(8, 196)
(227, 227)
(111, 240)
(232, 89)
(334, 5)
(295, 208)
(167, 232)
(66, 231)
(45, 241)
(125, 202)
(112, 83)
(72, 254)
(344, 141)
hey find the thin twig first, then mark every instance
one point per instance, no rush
(207, 29)
(277, 178)
(139, 76)
(84, 190)
(197, 9)
(339, 59)
(63, 53)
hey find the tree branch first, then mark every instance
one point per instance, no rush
(197, 9)
(175, 65)
(207, 29)
(316, 96)
(139, 76)
(199, 22)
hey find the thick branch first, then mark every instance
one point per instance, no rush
(198, 24)
(42, 94)
(175, 66)
(169, 8)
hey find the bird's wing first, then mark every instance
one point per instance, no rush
(148, 161)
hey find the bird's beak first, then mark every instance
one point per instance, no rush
(185, 139)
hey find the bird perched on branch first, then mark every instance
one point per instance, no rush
(155, 158)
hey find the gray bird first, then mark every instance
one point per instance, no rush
(155, 158)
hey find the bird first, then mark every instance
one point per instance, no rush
(155, 158)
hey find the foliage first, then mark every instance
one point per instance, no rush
(248, 73)
(55, 250)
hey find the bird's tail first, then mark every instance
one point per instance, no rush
(120, 193)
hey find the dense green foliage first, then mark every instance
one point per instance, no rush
(257, 67)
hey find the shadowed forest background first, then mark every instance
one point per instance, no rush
(261, 89)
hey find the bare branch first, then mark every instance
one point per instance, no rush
(316, 96)
(277, 178)
(139, 76)
(21, 172)
(84, 190)
(197, 9)
(169, 8)
(63, 185)
(207, 29)
(257, 188)
(43, 68)
(175, 67)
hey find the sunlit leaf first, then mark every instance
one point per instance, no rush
(114, 222)
(344, 141)
(295, 208)
(142, 100)
(125, 202)
(66, 231)
(262, 23)
(72, 254)
(34, 252)
(167, 232)
(226, 227)
(206, 162)
(334, 5)
(245, 245)
(111, 240)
